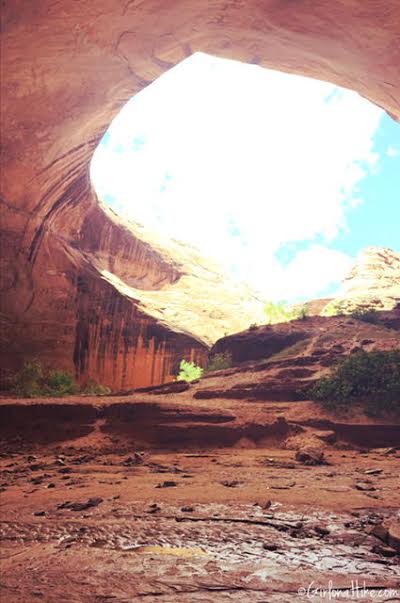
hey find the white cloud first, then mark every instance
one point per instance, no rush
(273, 157)
(317, 266)
(392, 152)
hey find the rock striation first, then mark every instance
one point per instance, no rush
(132, 305)
(373, 283)
(282, 362)
(376, 273)
(70, 271)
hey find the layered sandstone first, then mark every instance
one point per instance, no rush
(132, 305)
(373, 283)
(375, 273)
(327, 339)
(70, 271)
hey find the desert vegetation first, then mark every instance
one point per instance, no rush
(369, 380)
(334, 308)
(366, 309)
(282, 312)
(32, 381)
(365, 315)
(189, 371)
(218, 362)
(94, 388)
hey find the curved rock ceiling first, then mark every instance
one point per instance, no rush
(68, 67)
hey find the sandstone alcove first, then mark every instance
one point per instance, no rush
(69, 67)
(239, 487)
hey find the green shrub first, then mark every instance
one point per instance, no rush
(282, 312)
(32, 382)
(60, 383)
(366, 316)
(370, 380)
(189, 371)
(94, 388)
(363, 308)
(303, 312)
(28, 381)
(220, 361)
(275, 312)
(333, 308)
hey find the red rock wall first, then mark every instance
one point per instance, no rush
(112, 247)
(121, 346)
(73, 319)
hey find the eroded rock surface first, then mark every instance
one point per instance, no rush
(373, 283)
(79, 523)
(316, 340)
(377, 271)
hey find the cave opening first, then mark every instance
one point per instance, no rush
(279, 178)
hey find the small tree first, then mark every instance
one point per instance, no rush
(282, 312)
(366, 315)
(60, 383)
(189, 371)
(275, 312)
(303, 312)
(367, 379)
(28, 381)
(32, 382)
(94, 388)
(220, 361)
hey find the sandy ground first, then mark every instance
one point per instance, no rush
(214, 525)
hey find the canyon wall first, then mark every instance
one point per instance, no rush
(70, 271)
(376, 273)
(76, 319)
(373, 283)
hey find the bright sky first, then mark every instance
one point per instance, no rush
(281, 178)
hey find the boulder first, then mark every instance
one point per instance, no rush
(310, 456)
(394, 535)
(366, 486)
(380, 531)
(328, 436)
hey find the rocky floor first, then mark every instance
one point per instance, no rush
(89, 524)
(201, 493)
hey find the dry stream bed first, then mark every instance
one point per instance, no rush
(89, 524)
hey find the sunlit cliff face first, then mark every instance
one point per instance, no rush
(259, 169)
